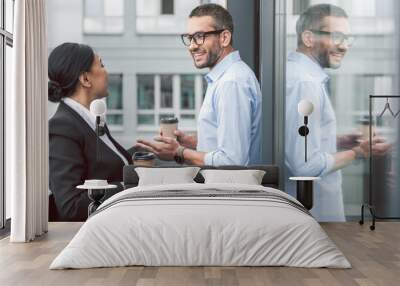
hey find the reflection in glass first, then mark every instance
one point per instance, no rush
(299, 6)
(385, 195)
(166, 91)
(306, 78)
(370, 66)
(187, 92)
(145, 91)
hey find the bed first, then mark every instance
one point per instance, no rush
(201, 224)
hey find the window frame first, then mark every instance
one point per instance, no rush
(103, 17)
(117, 111)
(162, 7)
(6, 39)
(272, 68)
(177, 21)
(176, 103)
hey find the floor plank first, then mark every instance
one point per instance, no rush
(374, 255)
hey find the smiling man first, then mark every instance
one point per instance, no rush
(323, 38)
(229, 123)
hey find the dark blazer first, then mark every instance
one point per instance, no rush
(72, 155)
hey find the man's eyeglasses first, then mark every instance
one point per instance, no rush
(198, 37)
(338, 38)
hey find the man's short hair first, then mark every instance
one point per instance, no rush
(311, 18)
(222, 18)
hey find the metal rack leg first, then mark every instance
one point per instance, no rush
(361, 222)
(372, 211)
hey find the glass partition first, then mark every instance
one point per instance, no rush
(384, 167)
(338, 53)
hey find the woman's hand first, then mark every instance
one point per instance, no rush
(164, 148)
(188, 141)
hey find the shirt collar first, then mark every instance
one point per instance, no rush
(312, 66)
(217, 71)
(82, 111)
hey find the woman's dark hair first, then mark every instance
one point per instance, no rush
(66, 63)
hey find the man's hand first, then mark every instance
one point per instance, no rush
(379, 146)
(165, 147)
(360, 150)
(188, 141)
(348, 141)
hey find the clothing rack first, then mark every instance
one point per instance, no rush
(387, 107)
(370, 204)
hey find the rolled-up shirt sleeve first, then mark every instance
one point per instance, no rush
(233, 104)
(318, 162)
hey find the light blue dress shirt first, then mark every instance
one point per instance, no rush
(305, 79)
(229, 123)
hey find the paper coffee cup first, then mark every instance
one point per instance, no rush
(365, 132)
(168, 125)
(364, 129)
(143, 159)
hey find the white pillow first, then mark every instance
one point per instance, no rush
(164, 176)
(249, 177)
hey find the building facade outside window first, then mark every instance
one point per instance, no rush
(168, 95)
(165, 16)
(167, 7)
(103, 16)
(115, 108)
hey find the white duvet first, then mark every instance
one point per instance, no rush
(187, 231)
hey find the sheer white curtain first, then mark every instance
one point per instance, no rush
(26, 119)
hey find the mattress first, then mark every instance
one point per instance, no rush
(201, 225)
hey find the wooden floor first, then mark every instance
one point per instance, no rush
(374, 255)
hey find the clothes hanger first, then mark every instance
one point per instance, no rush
(397, 114)
(387, 107)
